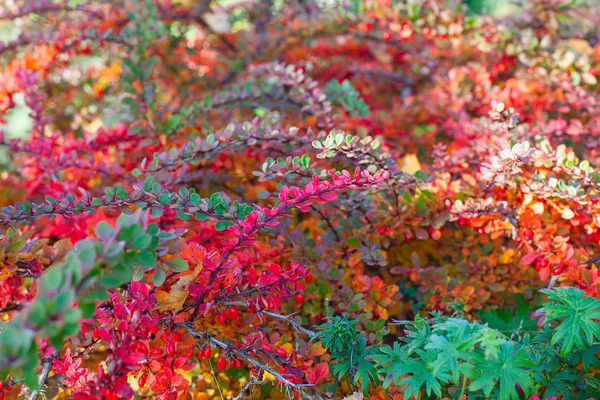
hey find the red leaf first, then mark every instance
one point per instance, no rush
(316, 375)
(529, 258)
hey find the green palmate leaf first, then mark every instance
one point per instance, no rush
(357, 361)
(454, 347)
(510, 320)
(390, 362)
(422, 373)
(579, 315)
(513, 365)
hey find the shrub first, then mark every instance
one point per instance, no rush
(241, 200)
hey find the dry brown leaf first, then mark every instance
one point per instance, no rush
(174, 300)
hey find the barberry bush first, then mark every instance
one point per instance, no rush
(384, 199)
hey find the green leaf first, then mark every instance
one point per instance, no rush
(305, 160)
(52, 279)
(146, 259)
(142, 241)
(421, 374)
(578, 314)
(512, 365)
(104, 230)
(195, 199)
(177, 264)
(159, 277)
(222, 225)
(357, 359)
(510, 320)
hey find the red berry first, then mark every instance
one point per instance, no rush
(154, 329)
(267, 347)
(1, 395)
(282, 370)
(558, 269)
(254, 371)
(233, 313)
(480, 231)
(300, 297)
(238, 363)
(1, 385)
(232, 363)
(222, 363)
(463, 222)
(541, 263)
(200, 354)
(407, 238)
(387, 35)
(170, 349)
(281, 351)
(308, 278)
(206, 352)
(142, 380)
(221, 318)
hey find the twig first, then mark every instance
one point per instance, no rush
(287, 318)
(47, 362)
(212, 371)
(242, 354)
(251, 382)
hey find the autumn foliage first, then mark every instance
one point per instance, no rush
(265, 199)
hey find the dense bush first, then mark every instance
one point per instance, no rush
(261, 199)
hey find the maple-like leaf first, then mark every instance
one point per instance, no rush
(395, 363)
(357, 361)
(510, 320)
(579, 315)
(512, 366)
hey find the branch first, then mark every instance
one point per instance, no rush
(47, 363)
(287, 318)
(242, 354)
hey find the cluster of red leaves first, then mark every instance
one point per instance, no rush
(487, 220)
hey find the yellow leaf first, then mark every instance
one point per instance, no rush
(174, 300)
(410, 164)
(507, 257)
(289, 348)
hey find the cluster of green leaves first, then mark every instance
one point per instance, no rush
(350, 355)
(151, 196)
(283, 167)
(348, 97)
(450, 356)
(70, 290)
(363, 150)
